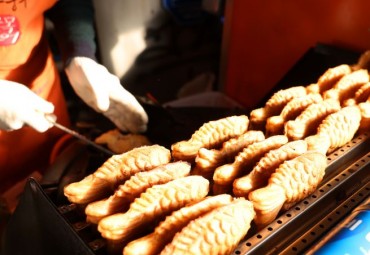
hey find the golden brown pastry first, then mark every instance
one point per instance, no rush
(319, 143)
(210, 135)
(336, 130)
(260, 174)
(246, 159)
(155, 203)
(133, 187)
(217, 232)
(313, 88)
(361, 95)
(347, 85)
(120, 143)
(365, 117)
(308, 121)
(208, 159)
(363, 61)
(292, 181)
(275, 124)
(274, 106)
(258, 118)
(329, 78)
(115, 171)
(153, 243)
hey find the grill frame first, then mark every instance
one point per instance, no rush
(341, 190)
(347, 166)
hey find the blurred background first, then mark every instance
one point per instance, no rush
(243, 50)
(239, 47)
(158, 47)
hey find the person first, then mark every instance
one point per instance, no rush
(30, 86)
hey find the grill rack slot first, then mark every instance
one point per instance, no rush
(327, 223)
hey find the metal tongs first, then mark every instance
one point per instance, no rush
(52, 118)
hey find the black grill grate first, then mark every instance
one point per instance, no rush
(347, 173)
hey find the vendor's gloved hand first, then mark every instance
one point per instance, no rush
(20, 106)
(102, 91)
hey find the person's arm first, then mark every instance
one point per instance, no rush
(74, 28)
(20, 106)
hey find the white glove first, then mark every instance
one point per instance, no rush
(19, 106)
(102, 91)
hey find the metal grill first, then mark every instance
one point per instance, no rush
(345, 186)
(346, 181)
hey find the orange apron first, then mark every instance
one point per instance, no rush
(26, 58)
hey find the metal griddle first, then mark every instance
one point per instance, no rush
(347, 179)
(58, 223)
(59, 227)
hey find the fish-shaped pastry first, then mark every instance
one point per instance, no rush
(336, 130)
(329, 78)
(215, 233)
(133, 187)
(153, 204)
(120, 143)
(363, 61)
(115, 171)
(246, 159)
(275, 124)
(347, 85)
(154, 242)
(208, 160)
(210, 135)
(308, 121)
(260, 174)
(274, 105)
(292, 181)
(361, 95)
